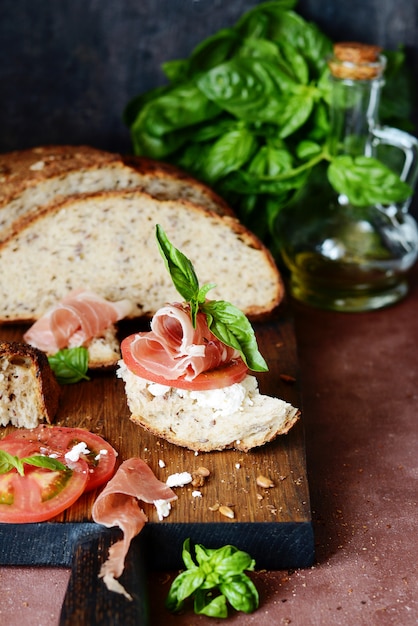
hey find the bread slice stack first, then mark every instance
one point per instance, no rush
(29, 391)
(81, 218)
(33, 178)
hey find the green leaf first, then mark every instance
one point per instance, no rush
(9, 462)
(241, 593)
(236, 563)
(182, 588)
(229, 153)
(219, 569)
(70, 365)
(206, 604)
(244, 87)
(232, 327)
(47, 462)
(366, 181)
(179, 267)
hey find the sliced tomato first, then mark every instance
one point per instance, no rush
(233, 372)
(101, 458)
(40, 494)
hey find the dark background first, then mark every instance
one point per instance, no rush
(69, 67)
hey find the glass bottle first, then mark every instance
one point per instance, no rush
(344, 257)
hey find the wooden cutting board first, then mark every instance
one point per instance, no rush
(273, 525)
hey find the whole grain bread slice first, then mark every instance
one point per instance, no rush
(106, 242)
(44, 175)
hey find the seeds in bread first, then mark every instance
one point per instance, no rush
(36, 177)
(29, 392)
(235, 417)
(106, 242)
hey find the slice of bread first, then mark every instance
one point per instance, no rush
(29, 391)
(106, 242)
(207, 421)
(43, 175)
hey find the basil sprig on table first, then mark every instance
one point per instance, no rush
(248, 113)
(225, 321)
(70, 365)
(213, 579)
(10, 461)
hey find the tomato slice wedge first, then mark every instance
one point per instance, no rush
(233, 372)
(40, 494)
(100, 459)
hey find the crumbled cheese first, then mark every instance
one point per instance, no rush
(161, 463)
(222, 401)
(196, 494)
(157, 390)
(101, 453)
(179, 479)
(237, 465)
(163, 508)
(76, 451)
(226, 400)
(39, 165)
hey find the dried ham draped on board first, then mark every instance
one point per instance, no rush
(118, 505)
(74, 321)
(173, 348)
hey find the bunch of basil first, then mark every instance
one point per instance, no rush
(248, 113)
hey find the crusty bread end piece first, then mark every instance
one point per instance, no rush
(184, 420)
(29, 391)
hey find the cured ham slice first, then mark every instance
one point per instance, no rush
(118, 505)
(78, 318)
(173, 348)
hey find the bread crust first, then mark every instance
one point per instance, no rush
(27, 380)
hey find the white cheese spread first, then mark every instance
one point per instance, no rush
(222, 401)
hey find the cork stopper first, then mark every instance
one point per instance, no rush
(356, 61)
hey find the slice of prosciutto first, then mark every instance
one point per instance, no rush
(173, 348)
(75, 320)
(118, 505)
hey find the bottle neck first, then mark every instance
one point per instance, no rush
(354, 110)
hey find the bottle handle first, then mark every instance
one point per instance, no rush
(404, 160)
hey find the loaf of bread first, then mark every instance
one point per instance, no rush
(106, 242)
(29, 392)
(236, 417)
(39, 176)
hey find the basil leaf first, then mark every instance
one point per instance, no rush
(229, 153)
(269, 72)
(206, 604)
(241, 593)
(183, 586)
(179, 267)
(70, 365)
(47, 462)
(7, 462)
(232, 327)
(236, 563)
(366, 181)
(218, 570)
